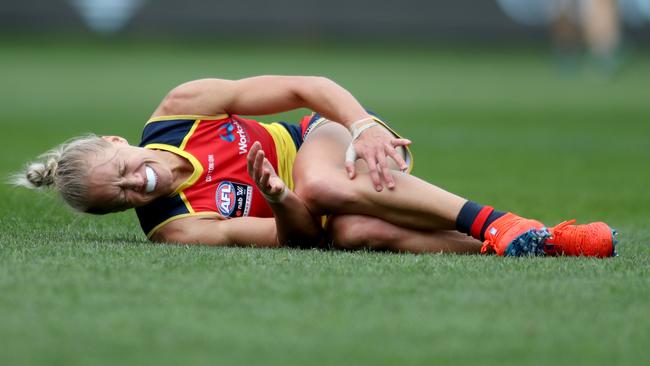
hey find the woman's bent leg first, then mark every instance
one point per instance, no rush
(358, 232)
(321, 180)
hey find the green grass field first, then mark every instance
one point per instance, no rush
(499, 126)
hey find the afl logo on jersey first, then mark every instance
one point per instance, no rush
(233, 199)
(226, 198)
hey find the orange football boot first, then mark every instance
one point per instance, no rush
(511, 235)
(596, 239)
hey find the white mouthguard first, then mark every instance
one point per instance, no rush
(151, 179)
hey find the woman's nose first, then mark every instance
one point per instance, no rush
(136, 182)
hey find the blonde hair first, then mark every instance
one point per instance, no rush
(65, 169)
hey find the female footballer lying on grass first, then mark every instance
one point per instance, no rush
(204, 175)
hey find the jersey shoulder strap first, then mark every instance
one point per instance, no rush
(171, 130)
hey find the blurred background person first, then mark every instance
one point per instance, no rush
(593, 24)
(594, 27)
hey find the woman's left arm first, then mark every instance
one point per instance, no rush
(262, 95)
(275, 94)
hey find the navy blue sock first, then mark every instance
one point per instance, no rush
(473, 219)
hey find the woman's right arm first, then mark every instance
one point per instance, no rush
(241, 231)
(290, 227)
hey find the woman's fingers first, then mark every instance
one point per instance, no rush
(397, 157)
(257, 166)
(349, 167)
(264, 179)
(384, 170)
(269, 172)
(373, 170)
(262, 172)
(249, 161)
(350, 159)
(250, 158)
(267, 165)
(376, 157)
(400, 142)
(374, 146)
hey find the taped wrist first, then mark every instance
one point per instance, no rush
(361, 125)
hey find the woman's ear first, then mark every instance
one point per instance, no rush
(116, 140)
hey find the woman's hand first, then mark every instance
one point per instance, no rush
(374, 144)
(294, 224)
(264, 176)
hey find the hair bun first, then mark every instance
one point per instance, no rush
(42, 175)
(65, 169)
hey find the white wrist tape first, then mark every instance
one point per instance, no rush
(357, 131)
(361, 121)
(350, 153)
(361, 125)
(283, 195)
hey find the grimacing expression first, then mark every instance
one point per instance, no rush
(125, 176)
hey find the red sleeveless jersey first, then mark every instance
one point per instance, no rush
(217, 147)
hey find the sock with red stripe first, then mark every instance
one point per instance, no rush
(474, 219)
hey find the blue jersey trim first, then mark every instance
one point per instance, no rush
(294, 131)
(160, 210)
(171, 132)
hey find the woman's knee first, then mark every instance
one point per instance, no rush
(344, 232)
(325, 192)
(357, 232)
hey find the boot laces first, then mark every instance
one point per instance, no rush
(567, 232)
(503, 228)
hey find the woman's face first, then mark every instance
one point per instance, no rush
(125, 176)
